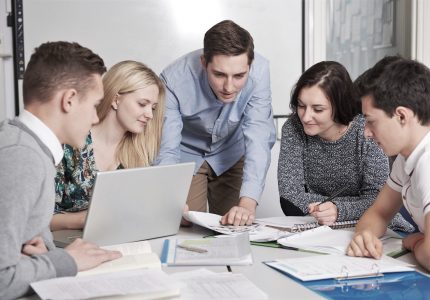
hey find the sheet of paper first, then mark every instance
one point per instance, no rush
(212, 221)
(203, 284)
(333, 266)
(321, 239)
(148, 284)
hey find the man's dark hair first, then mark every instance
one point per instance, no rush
(403, 82)
(333, 79)
(227, 38)
(57, 65)
(365, 83)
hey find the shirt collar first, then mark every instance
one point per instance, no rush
(44, 133)
(412, 160)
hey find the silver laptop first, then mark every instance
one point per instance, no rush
(134, 204)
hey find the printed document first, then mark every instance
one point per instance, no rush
(144, 284)
(203, 284)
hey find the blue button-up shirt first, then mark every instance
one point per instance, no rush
(198, 127)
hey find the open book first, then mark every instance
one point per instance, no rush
(135, 255)
(323, 239)
(338, 267)
(224, 250)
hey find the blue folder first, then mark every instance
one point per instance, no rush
(391, 286)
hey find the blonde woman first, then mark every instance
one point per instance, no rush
(127, 136)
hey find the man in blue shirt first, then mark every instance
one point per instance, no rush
(219, 115)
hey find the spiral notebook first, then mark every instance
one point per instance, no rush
(299, 224)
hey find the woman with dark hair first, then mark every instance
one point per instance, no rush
(324, 150)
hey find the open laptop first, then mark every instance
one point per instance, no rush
(134, 204)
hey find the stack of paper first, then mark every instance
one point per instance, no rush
(224, 250)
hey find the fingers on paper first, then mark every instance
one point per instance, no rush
(238, 216)
(365, 245)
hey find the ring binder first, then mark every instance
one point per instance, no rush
(374, 272)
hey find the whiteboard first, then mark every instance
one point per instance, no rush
(157, 32)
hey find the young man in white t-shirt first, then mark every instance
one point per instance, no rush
(396, 103)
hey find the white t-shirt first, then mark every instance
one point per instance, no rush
(411, 177)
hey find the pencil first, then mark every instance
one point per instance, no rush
(192, 248)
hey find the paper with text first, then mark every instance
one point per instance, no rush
(144, 284)
(202, 284)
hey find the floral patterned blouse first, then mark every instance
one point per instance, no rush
(75, 178)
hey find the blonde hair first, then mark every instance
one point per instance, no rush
(134, 150)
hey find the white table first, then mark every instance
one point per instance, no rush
(273, 283)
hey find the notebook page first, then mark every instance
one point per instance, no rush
(333, 266)
(321, 239)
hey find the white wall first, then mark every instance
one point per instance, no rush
(269, 205)
(158, 31)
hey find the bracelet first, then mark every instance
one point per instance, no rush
(416, 243)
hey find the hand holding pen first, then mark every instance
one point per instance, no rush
(325, 211)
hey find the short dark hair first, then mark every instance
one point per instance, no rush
(227, 38)
(334, 81)
(404, 82)
(365, 83)
(57, 65)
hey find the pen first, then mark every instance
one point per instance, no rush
(337, 193)
(191, 248)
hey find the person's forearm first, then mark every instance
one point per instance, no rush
(248, 203)
(372, 222)
(62, 221)
(422, 253)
